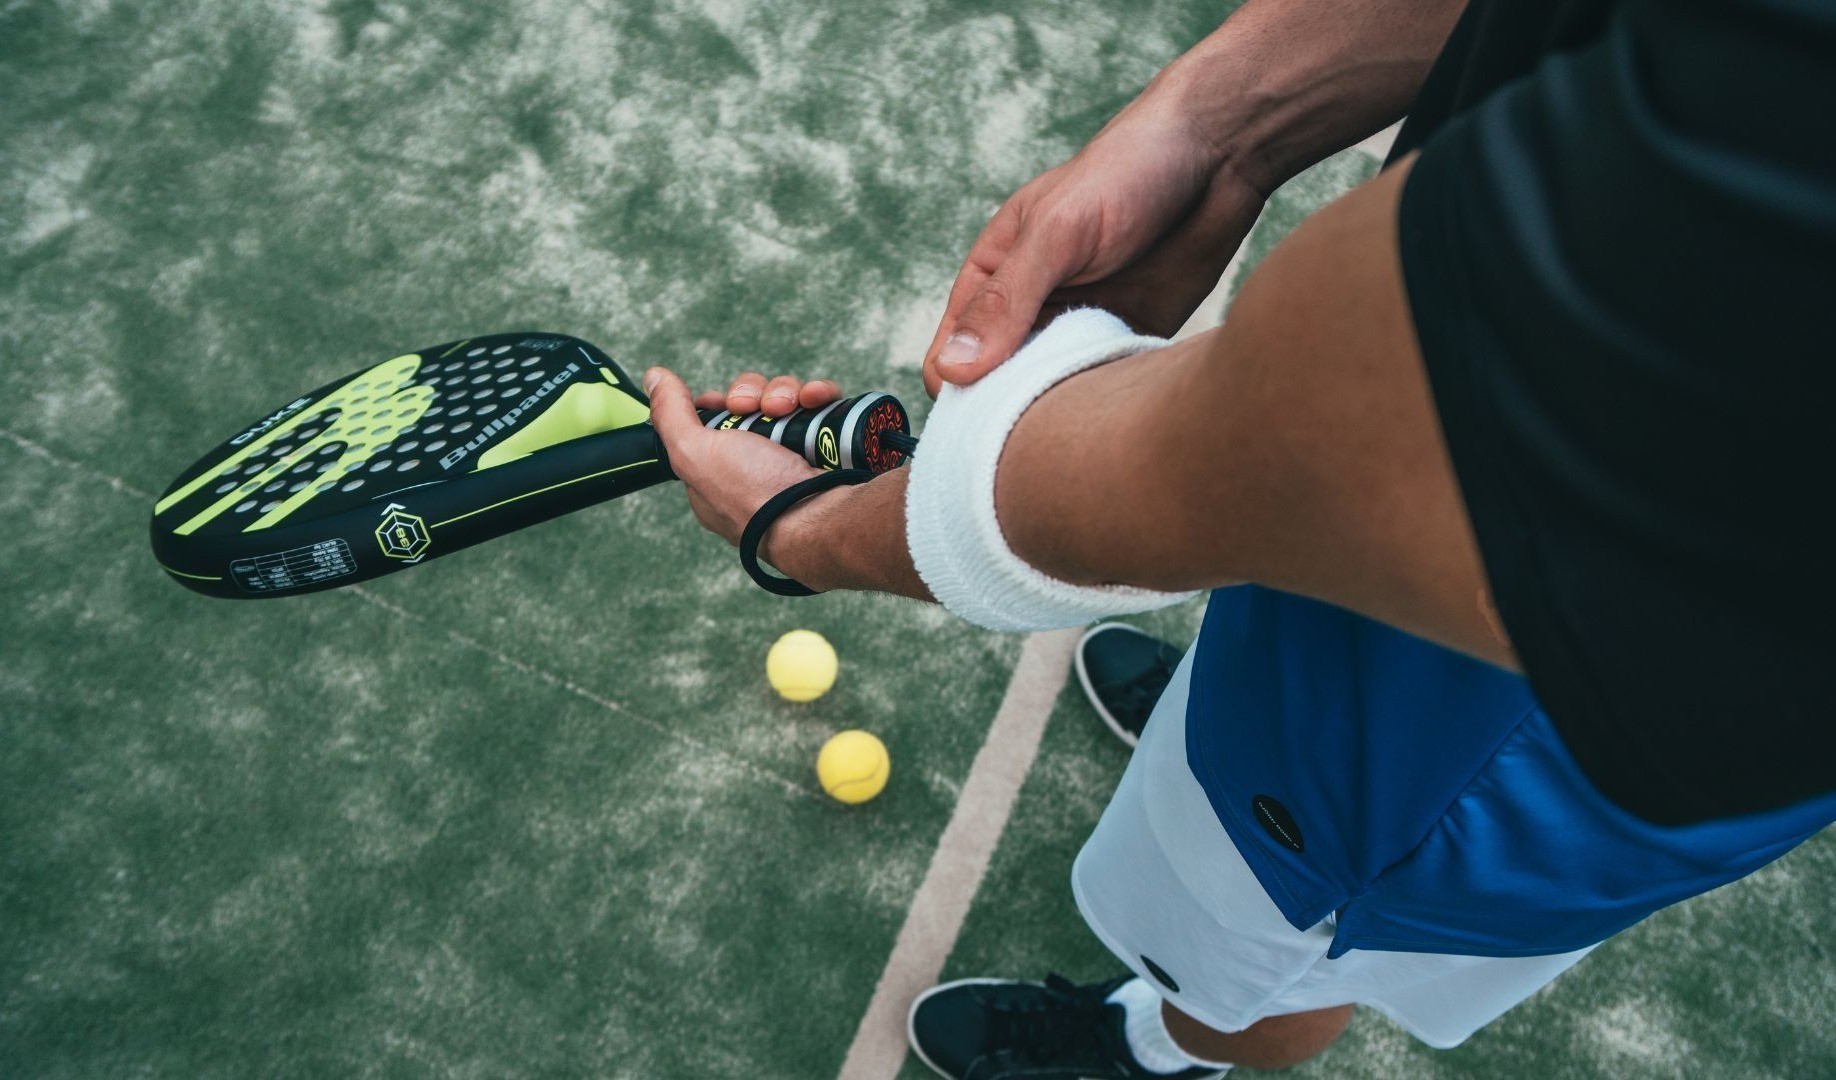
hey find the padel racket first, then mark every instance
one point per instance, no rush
(443, 448)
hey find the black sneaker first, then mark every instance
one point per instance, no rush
(1124, 671)
(998, 1029)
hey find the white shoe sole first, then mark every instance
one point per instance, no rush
(1083, 677)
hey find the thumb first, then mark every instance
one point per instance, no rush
(997, 318)
(672, 411)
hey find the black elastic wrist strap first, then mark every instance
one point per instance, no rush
(772, 510)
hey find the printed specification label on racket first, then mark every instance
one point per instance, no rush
(309, 565)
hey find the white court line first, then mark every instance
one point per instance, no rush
(943, 898)
(1378, 145)
(28, 446)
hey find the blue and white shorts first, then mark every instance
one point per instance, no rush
(1161, 883)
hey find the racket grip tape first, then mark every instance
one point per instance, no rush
(870, 432)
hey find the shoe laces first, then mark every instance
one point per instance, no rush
(1058, 1021)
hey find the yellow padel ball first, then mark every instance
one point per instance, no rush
(801, 665)
(853, 767)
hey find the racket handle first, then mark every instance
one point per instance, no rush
(866, 432)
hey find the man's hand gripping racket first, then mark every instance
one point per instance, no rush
(443, 448)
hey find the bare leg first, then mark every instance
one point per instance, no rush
(1273, 1043)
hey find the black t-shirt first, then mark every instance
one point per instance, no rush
(1619, 243)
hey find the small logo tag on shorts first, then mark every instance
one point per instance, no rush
(1160, 973)
(1277, 822)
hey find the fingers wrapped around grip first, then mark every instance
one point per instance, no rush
(781, 395)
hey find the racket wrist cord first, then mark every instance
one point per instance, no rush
(774, 508)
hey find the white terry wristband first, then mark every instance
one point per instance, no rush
(950, 523)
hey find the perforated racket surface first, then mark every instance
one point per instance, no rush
(437, 450)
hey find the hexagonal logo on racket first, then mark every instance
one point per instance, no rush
(402, 535)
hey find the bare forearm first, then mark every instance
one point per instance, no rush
(849, 538)
(1093, 488)
(1284, 83)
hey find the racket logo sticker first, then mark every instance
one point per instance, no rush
(825, 445)
(403, 535)
(280, 414)
(509, 419)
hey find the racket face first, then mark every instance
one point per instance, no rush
(409, 459)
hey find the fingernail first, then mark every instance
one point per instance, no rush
(958, 350)
(652, 377)
(778, 395)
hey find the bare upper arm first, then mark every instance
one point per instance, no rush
(1296, 446)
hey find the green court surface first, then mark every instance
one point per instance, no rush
(531, 810)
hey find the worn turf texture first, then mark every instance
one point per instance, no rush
(531, 810)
